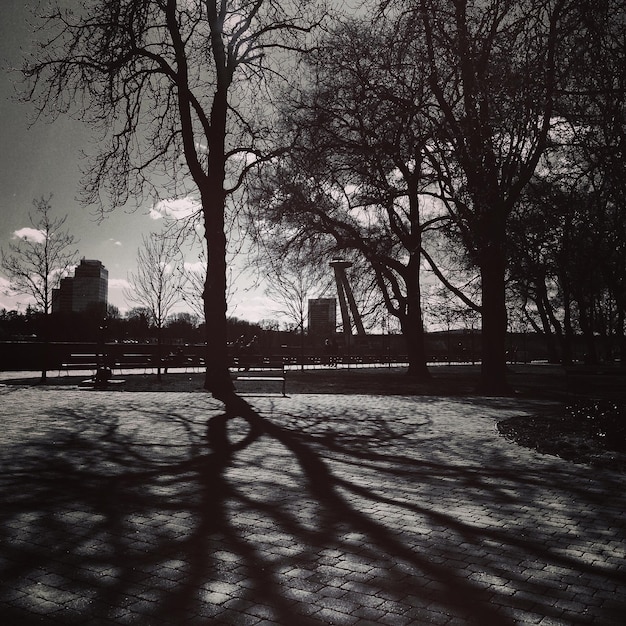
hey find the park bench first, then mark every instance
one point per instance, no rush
(92, 361)
(180, 360)
(101, 376)
(259, 370)
(137, 360)
(80, 361)
(133, 360)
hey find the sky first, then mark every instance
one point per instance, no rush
(44, 159)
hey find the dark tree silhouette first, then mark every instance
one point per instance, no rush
(178, 93)
(493, 70)
(356, 173)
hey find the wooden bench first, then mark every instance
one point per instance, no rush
(259, 371)
(140, 360)
(80, 362)
(134, 360)
(182, 361)
(96, 362)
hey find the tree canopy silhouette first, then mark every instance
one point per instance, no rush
(178, 93)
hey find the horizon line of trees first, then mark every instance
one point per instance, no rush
(135, 325)
(157, 276)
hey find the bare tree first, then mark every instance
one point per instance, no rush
(156, 285)
(178, 90)
(193, 288)
(43, 254)
(493, 69)
(291, 279)
(357, 171)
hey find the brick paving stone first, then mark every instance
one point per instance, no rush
(333, 616)
(348, 510)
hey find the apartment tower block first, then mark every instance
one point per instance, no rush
(87, 290)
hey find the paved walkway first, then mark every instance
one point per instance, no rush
(123, 508)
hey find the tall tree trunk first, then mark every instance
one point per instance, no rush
(45, 347)
(568, 331)
(159, 351)
(586, 325)
(416, 353)
(494, 317)
(493, 369)
(620, 335)
(543, 306)
(217, 378)
(412, 324)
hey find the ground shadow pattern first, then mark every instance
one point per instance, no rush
(164, 509)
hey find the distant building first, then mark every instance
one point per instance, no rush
(87, 290)
(322, 316)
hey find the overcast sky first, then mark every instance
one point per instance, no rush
(43, 159)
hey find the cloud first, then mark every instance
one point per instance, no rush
(118, 283)
(175, 208)
(198, 267)
(68, 271)
(254, 307)
(30, 234)
(7, 303)
(12, 301)
(168, 266)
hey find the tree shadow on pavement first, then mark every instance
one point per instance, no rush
(150, 514)
(338, 516)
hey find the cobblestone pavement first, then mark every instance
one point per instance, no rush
(124, 508)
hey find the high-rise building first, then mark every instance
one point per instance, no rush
(322, 316)
(87, 290)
